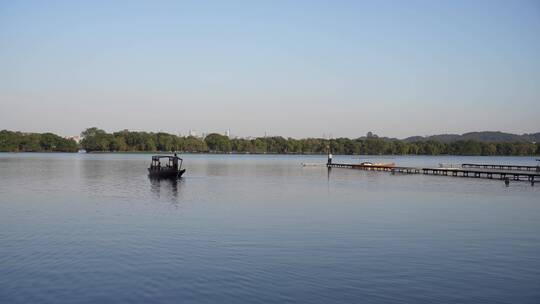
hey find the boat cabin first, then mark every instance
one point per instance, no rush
(173, 162)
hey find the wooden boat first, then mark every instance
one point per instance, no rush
(377, 164)
(171, 168)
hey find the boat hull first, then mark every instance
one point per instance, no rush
(165, 173)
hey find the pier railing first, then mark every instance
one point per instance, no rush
(502, 172)
(502, 167)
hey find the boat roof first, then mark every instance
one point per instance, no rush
(157, 157)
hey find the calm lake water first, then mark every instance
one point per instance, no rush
(93, 228)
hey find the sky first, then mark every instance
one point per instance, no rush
(289, 68)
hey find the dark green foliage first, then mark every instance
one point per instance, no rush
(98, 140)
(218, 143)
(194, 144)
(484, 137)
(95, 139)
(34, 142)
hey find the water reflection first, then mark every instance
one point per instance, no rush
(94, 228)
(165, 187)
(328, 174)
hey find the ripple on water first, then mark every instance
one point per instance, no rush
(236, 229)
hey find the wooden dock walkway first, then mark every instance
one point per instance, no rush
(482, 173)
(500, 172)
(394, 169)
(502, 167)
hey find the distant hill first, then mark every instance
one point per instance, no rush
(534, 137)
(485, 136)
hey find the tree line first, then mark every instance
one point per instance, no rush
(35, 142)
(95, 139)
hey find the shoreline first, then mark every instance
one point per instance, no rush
(273, 154)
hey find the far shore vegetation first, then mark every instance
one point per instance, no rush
(35, 142)
(97, 140)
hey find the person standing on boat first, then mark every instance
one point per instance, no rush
(175, 162)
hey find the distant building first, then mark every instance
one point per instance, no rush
(228, 133)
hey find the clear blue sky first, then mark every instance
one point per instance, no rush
(291, 68)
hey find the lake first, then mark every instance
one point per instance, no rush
(92, 228)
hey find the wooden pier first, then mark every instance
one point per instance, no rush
(489, 174)
(502, 167)
(393, 169)
(501, 172)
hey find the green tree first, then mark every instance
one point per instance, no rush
(194, 144)
(95, 139)
(165, 142)
(218, 143)
(489, 149)
(119, 144)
